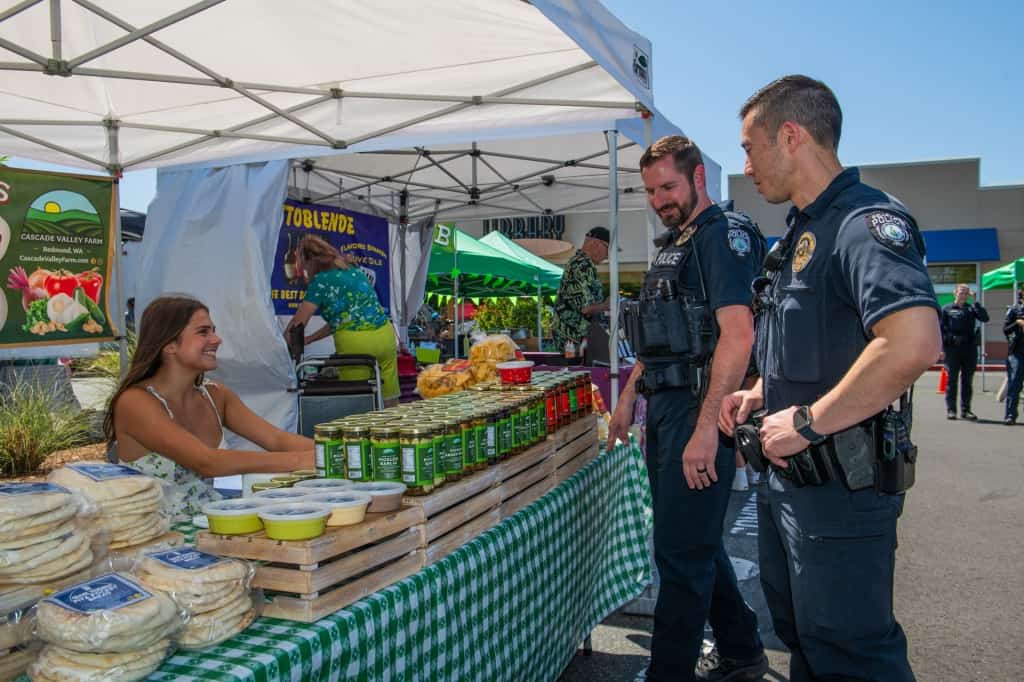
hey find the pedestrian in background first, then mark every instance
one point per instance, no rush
(960, 348)
(1013, 327)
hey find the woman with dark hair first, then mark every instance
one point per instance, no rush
(167, 421)
(343, 295)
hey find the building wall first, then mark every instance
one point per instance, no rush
(941, 195)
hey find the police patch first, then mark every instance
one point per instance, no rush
(804, 251)
(889, 229)
(739, 242)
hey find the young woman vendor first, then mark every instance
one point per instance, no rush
(343, 295)
(167, 421)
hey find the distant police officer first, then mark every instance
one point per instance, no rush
(1013, 327)
(850, 321)
(695, 316)
(960, 348)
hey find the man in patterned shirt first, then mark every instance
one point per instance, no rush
(580, 294)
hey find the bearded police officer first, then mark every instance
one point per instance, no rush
(849, 320)
(960, 348)
(695, 316)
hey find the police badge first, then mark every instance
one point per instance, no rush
(804, 251)
(739, 242)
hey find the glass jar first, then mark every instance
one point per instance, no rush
(417, 443)
(525, 423)
(550, 409)
(504, 424)
(452, 449)
(564, 413)
(491, 418)
(480, 430)
(328, 444)
(358, 456)
(387, 465)
(468, 442)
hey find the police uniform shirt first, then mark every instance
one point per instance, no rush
(834, 286)
(959, 321)
(1014, 334)
(730, 258)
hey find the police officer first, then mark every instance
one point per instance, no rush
(960, 348)
(1013, 327)
(696, 316)
(851, 321)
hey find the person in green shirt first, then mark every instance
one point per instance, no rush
(342, 294)
(580, 294)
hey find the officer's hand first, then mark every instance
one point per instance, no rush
(699, 461)
(736, 408)
(779, 439)
(622, 419)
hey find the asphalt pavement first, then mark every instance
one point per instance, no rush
(959, 590)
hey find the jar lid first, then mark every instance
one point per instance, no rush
(327, 429)
(296, 511)
(323, 485)
(239, 506)
(384, 430)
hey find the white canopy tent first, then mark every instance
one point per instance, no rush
(124, 85)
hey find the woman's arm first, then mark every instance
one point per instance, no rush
(301, 316)
(246, 423)
(321, 333)
(139, 417)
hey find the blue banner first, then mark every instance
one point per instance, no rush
(363, 236)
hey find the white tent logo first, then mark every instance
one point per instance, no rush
(642, 66)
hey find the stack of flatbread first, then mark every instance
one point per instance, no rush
(39, 538)
(129, 502)
(108, 628)
(213, 589)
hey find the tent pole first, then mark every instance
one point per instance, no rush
(114, 155)
(651, 228)
(613, 265)
(540, 327)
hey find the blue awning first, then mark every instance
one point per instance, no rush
(962, 245)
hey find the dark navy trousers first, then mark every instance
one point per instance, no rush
(827, 558)
(961, 362)
(698, 583)
(1014, 383)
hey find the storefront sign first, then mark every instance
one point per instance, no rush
(56, 248)
(364, 237)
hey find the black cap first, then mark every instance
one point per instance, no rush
(601, 233)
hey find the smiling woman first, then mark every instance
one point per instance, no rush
(166, 420)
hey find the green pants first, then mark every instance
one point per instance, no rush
(380, 343)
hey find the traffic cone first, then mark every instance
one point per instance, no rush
(943, 380)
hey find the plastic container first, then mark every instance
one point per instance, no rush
(348, 506)
(282, 495)
(515, 372)
(386, 497)
(323, 485)
(234, 517)
(295, 521)
(248, 480)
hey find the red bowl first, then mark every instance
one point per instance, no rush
(515, 372)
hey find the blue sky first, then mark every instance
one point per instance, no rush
(917, 81)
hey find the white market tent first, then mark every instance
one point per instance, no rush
(520, 94)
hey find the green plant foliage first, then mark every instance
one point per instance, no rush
(33, 425)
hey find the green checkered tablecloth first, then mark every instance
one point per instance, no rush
(513, 604)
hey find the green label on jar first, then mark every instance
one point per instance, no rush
(492, 441)
(453, 456)
(481, 444)
(386, 462)
(468, 447)
(540, 415)
(517, 430)
(334, 459)
(438, 450)
(418, 464)
(574, 404)
(360, 466)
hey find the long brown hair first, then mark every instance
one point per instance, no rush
(163, 321)
(316, 255)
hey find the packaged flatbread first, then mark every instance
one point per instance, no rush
(109, 614)
(56, 664)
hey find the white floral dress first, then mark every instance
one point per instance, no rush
(191, 490)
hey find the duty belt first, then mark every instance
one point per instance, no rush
(655, 379)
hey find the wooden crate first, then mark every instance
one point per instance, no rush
(578, 449)
(306, 580)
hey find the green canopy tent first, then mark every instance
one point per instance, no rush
(550, 274)
(1006, 276)
(469, 268)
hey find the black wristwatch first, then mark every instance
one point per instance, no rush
(802, 424)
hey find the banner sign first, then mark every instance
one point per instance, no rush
(364, 237)
(56, 250)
